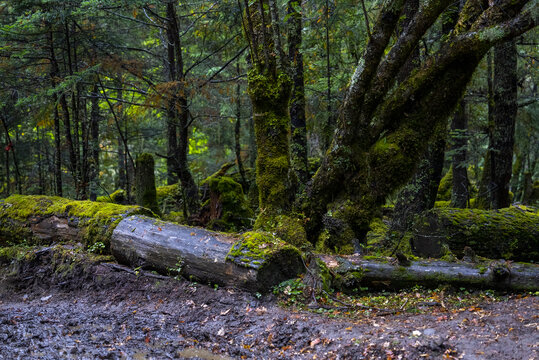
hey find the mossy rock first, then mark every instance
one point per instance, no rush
(268, 255)
(93, 221)
(511, 233)
(227, 208)
(287, 228)
(169, 198)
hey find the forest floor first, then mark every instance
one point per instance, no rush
(104, 311)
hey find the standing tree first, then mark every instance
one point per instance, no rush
(382, 128)
(497, 170)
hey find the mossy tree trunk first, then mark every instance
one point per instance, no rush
(269, 86)
(145, 192)
(382, 129)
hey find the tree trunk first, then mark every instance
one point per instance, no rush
(94, 130)
(382, 130)
(353, 272)
(501, 139)
(122, 181)
(57, 137)
(420, 193)
(179, 110)
(459, 142)
(145, 192)
(237, 133)
(298, 146)
(269, 89)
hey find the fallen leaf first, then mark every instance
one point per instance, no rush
(315, 342)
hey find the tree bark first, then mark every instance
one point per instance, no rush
(501, 139)
(53, 72)
(269, 88)
(145, 191)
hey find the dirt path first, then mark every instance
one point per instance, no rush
(98, 312)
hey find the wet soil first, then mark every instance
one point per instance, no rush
(92, 310)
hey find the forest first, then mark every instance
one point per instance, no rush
(309, 157)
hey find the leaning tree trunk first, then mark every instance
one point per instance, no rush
(383, 129)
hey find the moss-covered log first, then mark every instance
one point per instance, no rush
(255, 261)
(511, 233)
(44, 219)
(352, 272)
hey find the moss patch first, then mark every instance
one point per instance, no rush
(117, 197)
(287, 228)
(255, 249)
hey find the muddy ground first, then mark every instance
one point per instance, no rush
(103, 311)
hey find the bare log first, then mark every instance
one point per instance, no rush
(254, 261)
(351, 272)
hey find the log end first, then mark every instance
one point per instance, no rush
(274, 260)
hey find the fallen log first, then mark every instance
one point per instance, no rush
(352, 272)
(511, 233)
(254, 261)
(42, 220)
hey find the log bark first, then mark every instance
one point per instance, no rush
(351, 272)
(207, 256)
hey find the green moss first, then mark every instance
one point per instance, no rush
(117, 197)
(95, 220)
(270, 95)
(169, 198)
(229, 209)
(255, 249)
(287, 228)
(446, 184)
